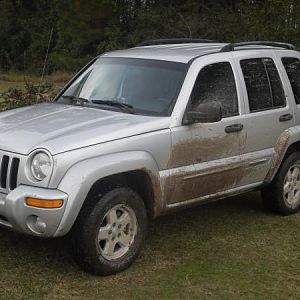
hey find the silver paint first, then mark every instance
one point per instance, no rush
(88, 144)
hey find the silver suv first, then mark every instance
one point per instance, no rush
(145, 131)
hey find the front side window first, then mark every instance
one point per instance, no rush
(292, 67)
(150, 87)
(216, 83)
(263, 84)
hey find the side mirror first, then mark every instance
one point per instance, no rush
(205, 113)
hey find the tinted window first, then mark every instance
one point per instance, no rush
(216, 83)
(292, 67)
(263, 84)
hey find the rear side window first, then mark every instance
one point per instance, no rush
(263, 84)
(292, 67)
(216, 83)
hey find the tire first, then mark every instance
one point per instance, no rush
(109, 231)
(283, 194)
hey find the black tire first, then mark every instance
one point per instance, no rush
(84, 235)
(273, 194)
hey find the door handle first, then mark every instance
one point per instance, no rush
(285, 117)
(234, 128)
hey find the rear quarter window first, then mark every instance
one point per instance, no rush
(292, 67)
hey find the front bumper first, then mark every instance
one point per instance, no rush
(15, 214)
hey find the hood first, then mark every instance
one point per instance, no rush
(61, 128)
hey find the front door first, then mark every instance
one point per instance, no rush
(205, 160)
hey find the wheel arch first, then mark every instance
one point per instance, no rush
(287, 143)
(134, 168)
(139, 181)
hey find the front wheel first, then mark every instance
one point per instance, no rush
(109, 232)
(283, 194)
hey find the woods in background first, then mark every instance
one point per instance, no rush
(82, 29)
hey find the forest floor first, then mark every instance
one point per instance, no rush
(231, 249)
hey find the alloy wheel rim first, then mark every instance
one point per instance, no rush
(117, 232)
(291, 186)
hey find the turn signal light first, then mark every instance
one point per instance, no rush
(42, 203)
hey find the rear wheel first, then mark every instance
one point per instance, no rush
(283, 194)
(109, 232)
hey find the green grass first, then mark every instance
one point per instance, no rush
(4, 85)
(13, 79)
(230, 249)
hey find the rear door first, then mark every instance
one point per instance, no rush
(268, 111)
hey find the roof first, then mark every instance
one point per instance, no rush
(172, 52)
(177, 52)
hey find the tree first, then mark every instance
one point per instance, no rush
(83, 29)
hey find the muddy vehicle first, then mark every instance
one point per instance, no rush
(142, 132)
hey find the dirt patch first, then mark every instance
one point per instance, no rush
(193, 184)
(280, 150)
(190, 183)
(205, 149)
(158, 205)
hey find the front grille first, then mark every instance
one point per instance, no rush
(9, 168)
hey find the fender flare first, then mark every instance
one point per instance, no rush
(80, 178)
(285, 140)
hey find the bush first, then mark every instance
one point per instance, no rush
(30, 94)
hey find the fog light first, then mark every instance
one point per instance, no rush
(36, 224)
(40, 225)
(42, 203)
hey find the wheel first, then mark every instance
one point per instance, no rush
(283, 194)
(108, 234)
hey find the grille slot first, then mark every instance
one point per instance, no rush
(14, 173)
(9, 168)
(4, 169)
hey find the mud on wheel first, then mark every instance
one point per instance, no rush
(283, 194)
(109, 231)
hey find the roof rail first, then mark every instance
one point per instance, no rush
(173, 41)
(231, 47)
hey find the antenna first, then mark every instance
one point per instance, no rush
(47, 53)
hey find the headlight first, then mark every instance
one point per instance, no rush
(41, 165)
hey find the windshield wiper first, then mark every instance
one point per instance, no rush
(124, 106)
(76, 100)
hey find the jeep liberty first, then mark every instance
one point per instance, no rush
(142, 132)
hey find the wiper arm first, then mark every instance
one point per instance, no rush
(124, 106)
(76, 100)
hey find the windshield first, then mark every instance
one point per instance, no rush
(149, 87)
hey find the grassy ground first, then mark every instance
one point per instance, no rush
(230, 249)
(4, 85)
(10, 80)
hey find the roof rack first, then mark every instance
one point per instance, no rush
(174, 41)
(231, 47)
